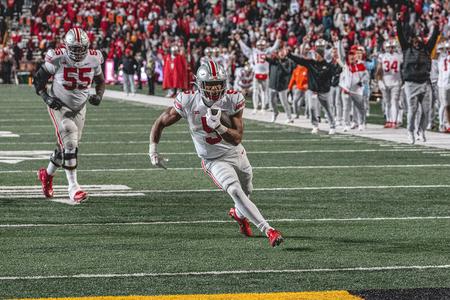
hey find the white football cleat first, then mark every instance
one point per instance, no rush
(76, 194)
(274, 118)
(332, 131)
(361, 127)
(289, 121)
(411, 138)
(346, 128)
(353, 125)
(254, 111)
(315, 130)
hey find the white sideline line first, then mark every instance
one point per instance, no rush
(107, 187)
(168, 132)
(225, 221)
(36, 195)
(231, 272)
(151, 169)
(187, 141)
(306, 188)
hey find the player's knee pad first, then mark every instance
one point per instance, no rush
(57, 157)
(70, 159)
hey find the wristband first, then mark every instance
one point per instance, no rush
(153, 148)
(221, 129)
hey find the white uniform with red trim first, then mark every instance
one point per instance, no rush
(72, 80)
(208, 144)
(391, 84)
(443, 86)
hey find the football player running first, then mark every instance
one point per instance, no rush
(223, 157)
(73, 68)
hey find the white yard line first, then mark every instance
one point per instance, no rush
(194, 222)
(306, 188)
(167, 132)
(186, 141)
(230, 272)
(151, 169)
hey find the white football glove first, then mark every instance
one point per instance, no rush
(213, 121)
(156, 159)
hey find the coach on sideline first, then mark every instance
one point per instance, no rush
(415, 70)
(320, 74)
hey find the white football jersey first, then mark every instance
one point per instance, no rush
(208, 143)
(444, 71)
(243, 79)
(391, 68)
(257, 57)
(72, 80)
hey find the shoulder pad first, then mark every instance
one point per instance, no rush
(183, 98)
(236, 98)
(53, 55)
(96, 55)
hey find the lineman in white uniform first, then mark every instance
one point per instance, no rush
(73, 68)
(444, 84)
(257, 57)
(223, 157)
(390, 85)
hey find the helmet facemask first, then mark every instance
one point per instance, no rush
(77, 52)
(213, 91)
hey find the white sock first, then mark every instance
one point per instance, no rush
(72, 177)
(247, 207)
(51, 169)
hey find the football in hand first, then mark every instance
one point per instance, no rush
(225, 119)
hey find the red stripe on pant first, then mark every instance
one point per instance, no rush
(211, 175)
(52, 116)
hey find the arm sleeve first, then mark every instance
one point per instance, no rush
(51, 62)
(179, 104)
(98, 68)
(274, 47)
(238, 103)
(433, 39)
(299, 60)
(245, 49)
(401, 36)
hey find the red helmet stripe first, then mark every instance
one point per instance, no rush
(77, 34)
(212, 64)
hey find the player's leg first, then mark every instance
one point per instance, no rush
(71, 129)
(45, 175)
(360, 107)
(255, 95)
(346, 104)
(287, 108)
(314, 112)
(296, 101)
(395, 102)
(387, 106)
(265, 103)
(126, 87)
(324, 99)
(442, 94)
(412, 103)
(434, 106)
(273, 100)
(132, 86)
(339, 106)
(425, 103)
(223, 173)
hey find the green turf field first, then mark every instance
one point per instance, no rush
(356, 214)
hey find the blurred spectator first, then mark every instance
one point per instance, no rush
(129, 68)
(175, 71)
(150, 71)
(6, 65)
